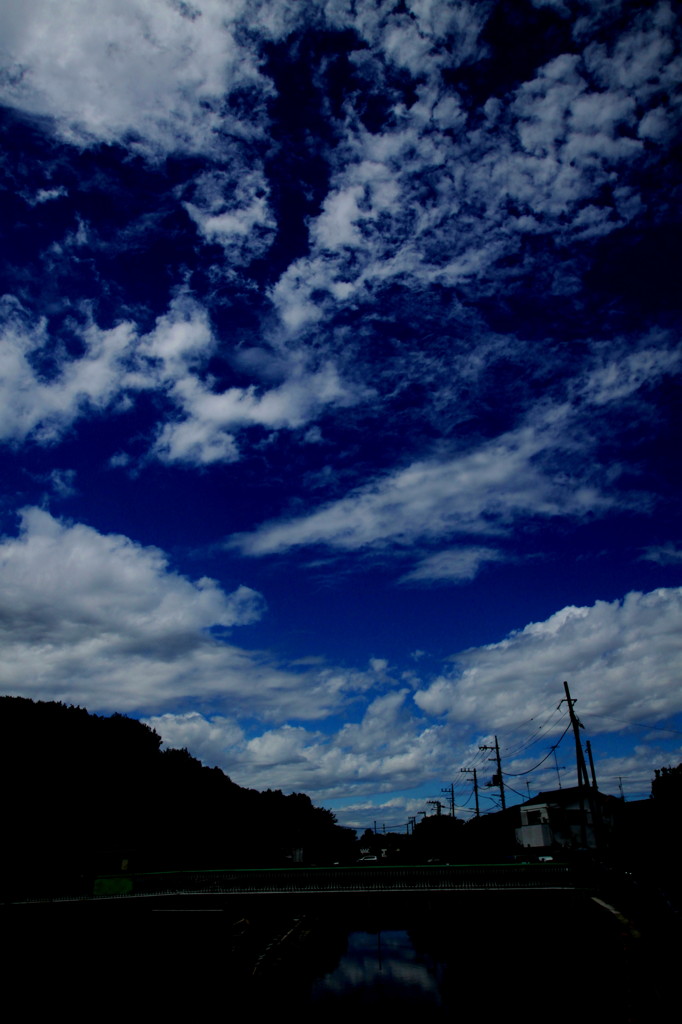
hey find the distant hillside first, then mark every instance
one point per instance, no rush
(86, 793)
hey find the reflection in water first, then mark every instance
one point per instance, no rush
(441, 952)
(379, 968)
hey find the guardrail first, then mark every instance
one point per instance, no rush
(379, 878)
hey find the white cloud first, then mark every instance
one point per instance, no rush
(63, 482)
(479, 492)
(206, 738)
(621, 658)
(206, 421)
(71, 573)
(30, 403)
(641, 58)
(422, 39)
(663, 554)
(232, 209)
(44, 195)
(636, 770)
(99, 620)
(542, 468)
(181, 339)
(389, 748)
(436, 197)
(118, 363)
(205, 433)
(455, 565)
(152, 76)
(626, 372)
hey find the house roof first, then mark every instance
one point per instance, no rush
(571, 795)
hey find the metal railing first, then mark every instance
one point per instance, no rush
(378, 878)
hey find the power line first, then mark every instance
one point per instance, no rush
(516, 791)
(517, 774)
(533, 737)
(639, 725)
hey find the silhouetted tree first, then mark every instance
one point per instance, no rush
(666, 787)
(88, 793)
(438, 837)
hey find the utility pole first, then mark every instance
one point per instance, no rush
(594, 798)
(439, 806)
(497, 778)
(478, 813)
(412, 822)
(577, 725)
(590, 759)
(451, 791)
(583, 781)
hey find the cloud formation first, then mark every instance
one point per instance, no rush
(453, 565)
(35, 405)
(152, 76)
(390, 284)
(96, 619)
(386, 749)
(118, 364)
(621, 658)
(438, 196)
(480, 492)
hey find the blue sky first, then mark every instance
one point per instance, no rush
(339, 384)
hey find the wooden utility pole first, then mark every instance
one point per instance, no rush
(590, 759)
(497, 778)
(556, 765)
(478, 813)
(577, 726)
(583, 781)
(595, 805)
(451, 791)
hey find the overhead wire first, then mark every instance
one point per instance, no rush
(545, 726)
(639, 725)
(548, 754)
(522, 795)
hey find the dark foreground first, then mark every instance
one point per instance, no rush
(344, 956)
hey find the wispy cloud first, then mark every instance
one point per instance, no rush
(480, 492)
(545, 467)
(663, 554)
(454, 565)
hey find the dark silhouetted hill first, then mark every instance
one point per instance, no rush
(86, 794)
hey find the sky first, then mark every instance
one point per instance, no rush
(340, 385)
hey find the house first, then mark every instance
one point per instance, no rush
(568, 818)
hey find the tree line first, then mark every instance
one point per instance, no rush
(88, 794)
